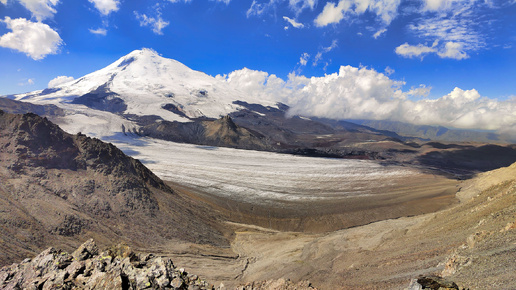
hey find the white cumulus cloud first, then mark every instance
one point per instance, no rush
(453, 50)
(27, 82)
(59, 81)
(410, 51)
(324, 50)
(465, 109)
(99, 31)
(456, 25)
(156, 23)
(303, 60)
(379, 33)
(436, 5)
(257, 83)
(299, 5)
(421, 91)
(106, 6)
(352, 93)
(386, 10)
(35, 39)
(293, 22)
(40, 9)
(362, 93)
(332, 13)
(260, 7)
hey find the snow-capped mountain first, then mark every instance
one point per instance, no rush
(142, 83)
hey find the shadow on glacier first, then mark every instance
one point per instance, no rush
(126, 138)
(207, 147)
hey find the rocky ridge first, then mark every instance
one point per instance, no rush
(60, 189)
(221, 132)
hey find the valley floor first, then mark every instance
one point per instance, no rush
(473, 243)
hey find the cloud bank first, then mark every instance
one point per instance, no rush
(35, 39)
(362, 93)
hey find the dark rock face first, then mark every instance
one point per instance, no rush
(174, 109)
(89, 268)
(102, 99)
(33, 141)
(222, 132)
(17, 107)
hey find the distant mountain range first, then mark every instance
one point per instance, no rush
(436, 133)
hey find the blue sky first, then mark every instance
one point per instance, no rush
(430, 45)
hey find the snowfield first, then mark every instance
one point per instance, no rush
(146, 82)
(261, 177)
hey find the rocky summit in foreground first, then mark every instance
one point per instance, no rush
(115, 268)
(89, 268)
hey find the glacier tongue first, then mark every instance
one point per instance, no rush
(143, 83)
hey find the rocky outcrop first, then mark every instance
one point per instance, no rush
(18, 107)
(33, 141)
(433, 283)
(102, 99)
(222, 133)
(89, 268)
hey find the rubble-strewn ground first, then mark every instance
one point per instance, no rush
(89, 268)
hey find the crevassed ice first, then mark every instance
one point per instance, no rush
(262, 177)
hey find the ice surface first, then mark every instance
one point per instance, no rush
(261, 177)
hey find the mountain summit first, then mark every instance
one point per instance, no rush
(144, 83)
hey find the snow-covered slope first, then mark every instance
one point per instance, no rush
(143, 83)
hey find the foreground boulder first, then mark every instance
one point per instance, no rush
(89, 268)
(434, 283)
